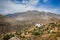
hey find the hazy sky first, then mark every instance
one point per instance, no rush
(15, 6)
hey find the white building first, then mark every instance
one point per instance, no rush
(37, 25)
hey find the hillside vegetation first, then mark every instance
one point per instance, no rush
(22, 26)
(49, 31)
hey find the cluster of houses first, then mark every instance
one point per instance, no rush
(38, 25)
(51, 31)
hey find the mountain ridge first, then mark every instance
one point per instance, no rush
(33, 15)
(29, 19)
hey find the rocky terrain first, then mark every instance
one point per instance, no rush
(22, 26)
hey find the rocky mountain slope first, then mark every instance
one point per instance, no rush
(29, 15)
(21, 21)
(13, 24)
(7, 24)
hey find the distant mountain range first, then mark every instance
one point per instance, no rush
(29, 15)
(20, 21)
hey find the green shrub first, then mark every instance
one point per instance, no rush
(8, 36)
(52, 25)
(36, 33)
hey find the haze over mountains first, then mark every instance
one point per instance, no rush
(19, 21)
(28, 15)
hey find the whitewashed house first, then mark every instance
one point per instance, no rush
(38, 25)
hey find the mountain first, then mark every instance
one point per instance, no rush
(29, 15)
(8, 24)
(22, 25)
(23, 20)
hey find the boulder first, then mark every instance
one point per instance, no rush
(14, 38)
